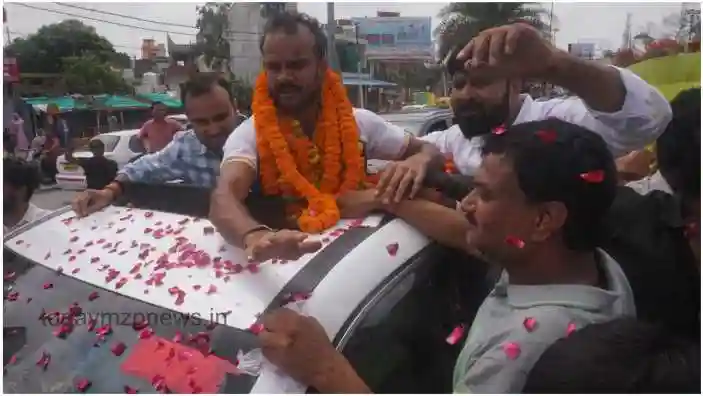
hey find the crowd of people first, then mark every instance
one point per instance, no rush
(600, 283)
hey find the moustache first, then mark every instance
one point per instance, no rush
(287, 88)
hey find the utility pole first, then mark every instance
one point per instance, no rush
(332, 58)
(358, 65)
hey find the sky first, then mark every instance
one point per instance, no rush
(602, 23)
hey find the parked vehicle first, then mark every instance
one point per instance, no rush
(121, 146)
(391, 320)
(422, 122)
(417, 122)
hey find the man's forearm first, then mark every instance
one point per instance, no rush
(445, 225)
(230, 216)
(600, 86)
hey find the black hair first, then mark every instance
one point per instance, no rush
(552, 160)
(96, 143)
(157, 103)
(202, 83)
(679, 147)
(289, 22)
(622, 356)
(19, 173)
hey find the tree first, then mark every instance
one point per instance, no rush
(46, 50)
(88, 75)
(462, 21)
(213, 25)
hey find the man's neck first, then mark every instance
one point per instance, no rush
(555, 266)
(11, 219)
(308, 119)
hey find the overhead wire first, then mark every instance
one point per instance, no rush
(124, 16)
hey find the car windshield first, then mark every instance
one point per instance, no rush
(110, 142)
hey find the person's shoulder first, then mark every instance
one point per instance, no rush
(631, 206)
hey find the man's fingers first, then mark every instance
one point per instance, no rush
(309, 246)
(385, 178)
(403, 185)
(465, 52)
(271, 340)
(393, 185)
(496, 47)
(417, 183)
(481, 47)
(511, 39)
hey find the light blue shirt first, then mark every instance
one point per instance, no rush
(517, 323)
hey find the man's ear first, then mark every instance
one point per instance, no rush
(551, 217)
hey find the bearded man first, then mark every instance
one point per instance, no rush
(307, 144)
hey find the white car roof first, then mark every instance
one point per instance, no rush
(357, 256)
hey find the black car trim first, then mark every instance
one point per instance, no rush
(310, 276)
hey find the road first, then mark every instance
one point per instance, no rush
(52, 199)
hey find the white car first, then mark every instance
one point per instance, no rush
(386, 295)
(121, 146)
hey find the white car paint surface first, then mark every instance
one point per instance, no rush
(117, 148)
(76, 242)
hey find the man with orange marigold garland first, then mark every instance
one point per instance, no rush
(307, 144)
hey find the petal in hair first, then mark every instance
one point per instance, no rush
(596, 176)
(547, 135)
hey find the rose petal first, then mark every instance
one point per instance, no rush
(146, 333)
(12, 296)
(596, 176)
(48, 286)
(547, 136)
(75, 271)
(499, 130)
(94, 295)
(44, 360)
(82, 385)
(456, 334)
(10, 276)
(515, 241)
(529, 324)
(512, 350)
(256, 328)
(392, 249)
(212, 289)
(121, 283)
(118, 349)
(570, 329)
(129, 389)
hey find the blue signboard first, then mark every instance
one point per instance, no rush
(396, 31)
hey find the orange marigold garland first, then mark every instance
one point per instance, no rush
(286, 158)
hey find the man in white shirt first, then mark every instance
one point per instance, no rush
(20, 181)
(615, 103)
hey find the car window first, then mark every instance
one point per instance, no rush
(110, 141)
(135, 144)
(396, 339)
(437, 126)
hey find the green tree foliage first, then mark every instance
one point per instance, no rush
(213, 26)
(88, 75)
(44, 51)
(462, 21)
(58, 48)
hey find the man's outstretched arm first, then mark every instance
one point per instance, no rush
(228, 213)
